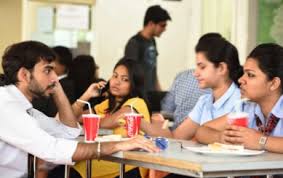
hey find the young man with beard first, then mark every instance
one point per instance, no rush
(63, 62)
(28, 74)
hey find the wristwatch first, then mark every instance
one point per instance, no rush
(262, 142)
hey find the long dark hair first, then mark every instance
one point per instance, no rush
(82, 73)
(270, 60)
(136, 78)
(24, 54)
(219, 50)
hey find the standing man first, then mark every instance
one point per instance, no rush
(28, 74)
(142, 46)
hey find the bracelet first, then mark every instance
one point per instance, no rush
(98, 150)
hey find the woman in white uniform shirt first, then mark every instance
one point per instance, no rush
(218, 68)
(262, 85)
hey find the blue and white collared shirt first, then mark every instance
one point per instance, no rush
(205, 110)
(183, 96)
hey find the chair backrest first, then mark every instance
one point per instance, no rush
(154, 99)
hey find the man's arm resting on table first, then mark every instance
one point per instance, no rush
(86, 151)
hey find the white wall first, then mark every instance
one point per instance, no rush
(11, 24)
(217, 17)
(244, 24)
(115, 21)
(235, 20)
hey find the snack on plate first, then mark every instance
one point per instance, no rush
(222, 147)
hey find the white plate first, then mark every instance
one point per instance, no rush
(206, 150)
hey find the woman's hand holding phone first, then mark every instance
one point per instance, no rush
(94, 90)
(104, 88)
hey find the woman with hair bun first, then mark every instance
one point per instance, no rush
(217, 68)
(262, 85)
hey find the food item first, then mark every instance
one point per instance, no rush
(223, 147)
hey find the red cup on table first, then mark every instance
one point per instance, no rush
(133, 121)
(91, 126)
(239, 119)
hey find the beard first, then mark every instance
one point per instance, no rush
(37, 90)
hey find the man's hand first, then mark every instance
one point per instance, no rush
(65, 112)
(57, 89)
(138, 142)
(90, 151)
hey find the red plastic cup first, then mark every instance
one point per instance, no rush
(133, 121)
(91, 126)
(239, 119)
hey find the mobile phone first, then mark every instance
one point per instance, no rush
(104, 89)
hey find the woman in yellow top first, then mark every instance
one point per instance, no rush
(125, 90)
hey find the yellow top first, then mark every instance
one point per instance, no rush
(106, 169)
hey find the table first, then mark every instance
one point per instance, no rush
(181, 161)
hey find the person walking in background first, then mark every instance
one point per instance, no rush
(29, 73)
(63, 62)
(142, 47)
